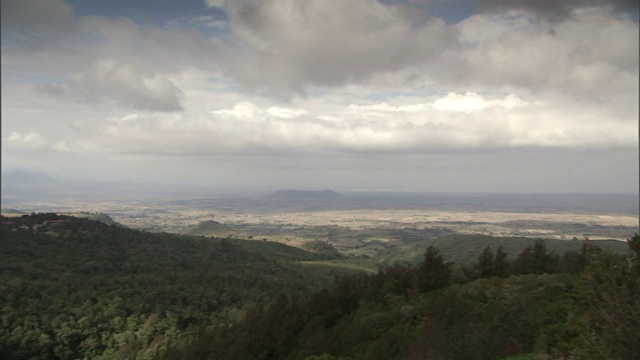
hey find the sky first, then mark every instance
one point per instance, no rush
(395, 95)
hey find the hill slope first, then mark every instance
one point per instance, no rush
(79, 288)
(417, 312)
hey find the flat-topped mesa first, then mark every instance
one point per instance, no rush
(305, 195)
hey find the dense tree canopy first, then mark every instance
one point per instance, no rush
(75, 288)
(543, 312)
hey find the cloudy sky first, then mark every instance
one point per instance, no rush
(422, 95)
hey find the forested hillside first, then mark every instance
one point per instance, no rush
(78, 288)
(582, 305)
(73, 288)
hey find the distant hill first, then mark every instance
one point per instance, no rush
(302, 195)
(209, 228)
(98, 216)
(319, 247)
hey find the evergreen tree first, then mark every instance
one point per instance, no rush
(501, 265)
(485, 264)
(606, 321)
(536, 259)
(433, 273)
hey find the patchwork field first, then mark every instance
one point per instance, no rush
(361, 226)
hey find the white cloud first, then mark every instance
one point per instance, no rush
(243, 110)
(454, 123)
(30, 141)
(455, 102)
(283, 112)
(471, 102)
(384, 107)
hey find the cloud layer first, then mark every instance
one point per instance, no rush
(356, 79)
(452, 123)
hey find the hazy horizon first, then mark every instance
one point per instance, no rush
(24, 179)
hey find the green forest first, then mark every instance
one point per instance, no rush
(75, 288)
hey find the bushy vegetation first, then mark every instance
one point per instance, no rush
(80, 289)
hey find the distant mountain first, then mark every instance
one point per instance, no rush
(301, 195)
(26, 184)
(22, 178)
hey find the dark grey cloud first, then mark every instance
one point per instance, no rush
(556, 10)
(125, 83)
(158, 12)
(291, 45)
(37, 22)
(97, 59)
